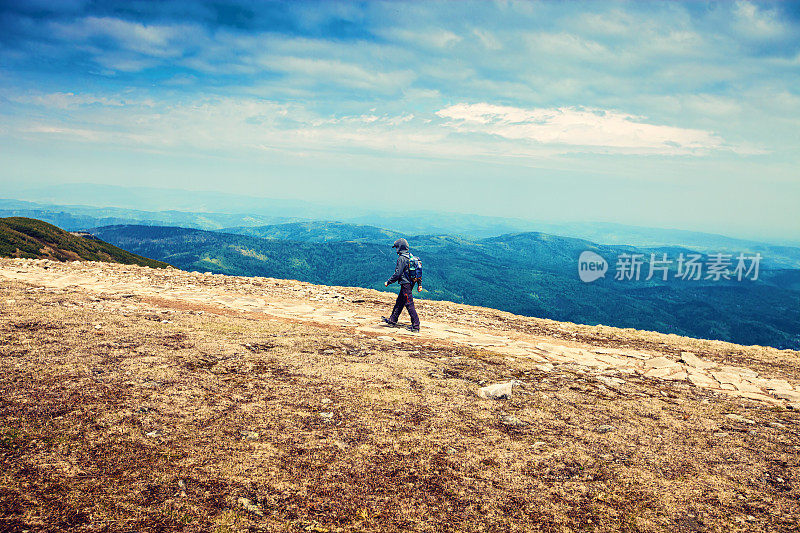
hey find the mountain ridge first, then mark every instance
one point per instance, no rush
(171, 209)
(25, 237)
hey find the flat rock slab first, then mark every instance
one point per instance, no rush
(612, 361)
(746, 386)
(702, 380)
(739, 370)
(778, 384)
(661, 362)
(791, 396)
(663, 372)
(727, 378)
(692, 360)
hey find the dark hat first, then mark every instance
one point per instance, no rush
(401, 245)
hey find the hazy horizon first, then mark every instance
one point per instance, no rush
(325, 211)
(679, 115)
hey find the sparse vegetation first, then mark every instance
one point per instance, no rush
(31, 238)
(124, 413)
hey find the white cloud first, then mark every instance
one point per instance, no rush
(233, 124)
(154, 40)
(712, 106)
(487, 39)
(65, 100)
(758, 23)
(614, 23)
(338, 73)
(677, 43)
(428, 38)
(49, 129)
(582, 129)
(417, 95)
(566, 44)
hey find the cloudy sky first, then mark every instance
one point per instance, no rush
(667, 114)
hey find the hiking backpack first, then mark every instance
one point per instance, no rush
(414, 269)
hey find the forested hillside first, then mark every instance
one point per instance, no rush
(318, 232)
(533, 274)
(30, 238)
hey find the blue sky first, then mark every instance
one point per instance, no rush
(668, 114)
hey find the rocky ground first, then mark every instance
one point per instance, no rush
(135, 399)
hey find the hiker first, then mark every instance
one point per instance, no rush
(403, 275)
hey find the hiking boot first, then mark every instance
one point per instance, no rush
(413, 329)
(393, 324)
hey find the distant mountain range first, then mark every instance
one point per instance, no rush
(81, 217)
(319, 232)
(267, 215)
(25, 237)
(527, 273)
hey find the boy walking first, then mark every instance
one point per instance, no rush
(406, 297)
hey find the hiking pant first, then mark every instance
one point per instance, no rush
(405, 299)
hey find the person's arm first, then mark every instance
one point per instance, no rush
(398, 271)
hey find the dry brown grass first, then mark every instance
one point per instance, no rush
(324, 429)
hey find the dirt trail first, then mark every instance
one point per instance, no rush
(358, 310)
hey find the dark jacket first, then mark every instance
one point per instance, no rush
(401, 269)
